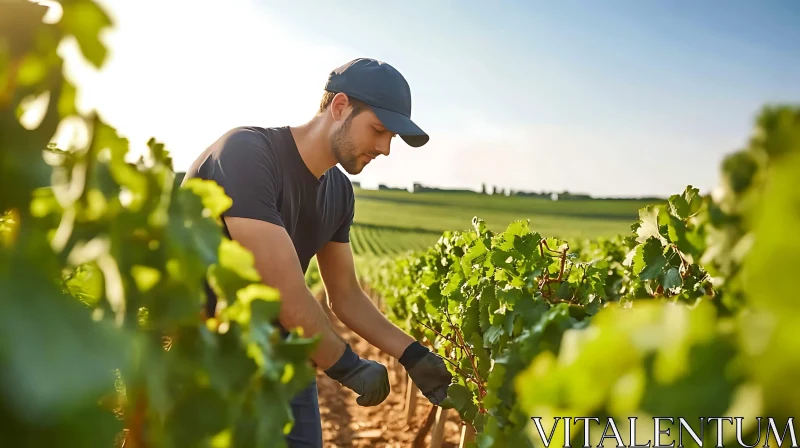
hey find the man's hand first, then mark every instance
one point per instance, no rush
(369, 379)
(428, 371)
(355, 309)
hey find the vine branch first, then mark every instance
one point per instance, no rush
(480, 383)
(455, 366)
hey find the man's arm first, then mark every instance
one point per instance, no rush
(352, 306)
(279, 267)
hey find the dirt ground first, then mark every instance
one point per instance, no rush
(346, 424)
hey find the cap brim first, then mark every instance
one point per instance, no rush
(402, 126)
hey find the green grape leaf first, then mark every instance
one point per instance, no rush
(471, 319)
(528, 245)
(481, 355)
(200, 414)
(649, 224)
(687, 204)
(474, 255)
(738, 170)
(66, 102)
(32, 70)
(492, 335)
(239, 260)
(564, 292)
(89, 426)
(229, 367)
(706, 388)
(485, 302)
(672, 279)
(503, 260)
(510, 322)
(194, 239)
(85, 352)
(453, 284)
(649, 259)
(530, 309)
(434, 294)
(772, 263)
(85, 20)
(466, 365)
(508, 296)
(212, 195)
(459, 395)
(518, 228)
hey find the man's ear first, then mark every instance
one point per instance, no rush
(340, 105)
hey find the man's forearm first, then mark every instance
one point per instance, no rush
(362, 316)
(277, 263)
(302, 310)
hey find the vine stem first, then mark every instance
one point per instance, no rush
(437, 333)
(480, 382)
(136, 421)
(471, 356)
(583, 278)
(684, 262)
(546, 275)
(455, 366)
(563, 262)
(546, 280)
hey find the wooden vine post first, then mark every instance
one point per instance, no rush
(437, 416)
(411, 400)
(435, 423)
(467, 435)
(438, 427)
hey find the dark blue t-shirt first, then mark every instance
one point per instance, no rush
(263, 173)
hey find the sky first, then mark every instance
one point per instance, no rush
(611, 98)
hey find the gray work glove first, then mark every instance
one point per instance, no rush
(369, 379)
(428, 371)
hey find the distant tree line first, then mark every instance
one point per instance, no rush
(495, 190)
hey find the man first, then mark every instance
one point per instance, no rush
(290, 202)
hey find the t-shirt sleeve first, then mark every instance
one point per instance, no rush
(249, 174)
(342, 234)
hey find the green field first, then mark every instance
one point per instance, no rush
(389, 221)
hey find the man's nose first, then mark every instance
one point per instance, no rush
(384, 146)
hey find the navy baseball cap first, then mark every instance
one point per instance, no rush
(385, 90)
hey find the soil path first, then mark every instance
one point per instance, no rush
(346, 424)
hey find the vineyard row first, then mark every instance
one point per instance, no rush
(690, 315)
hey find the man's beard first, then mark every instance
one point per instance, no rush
(344, 150)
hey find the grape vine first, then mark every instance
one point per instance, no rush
(685, 316)
(104, 266)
